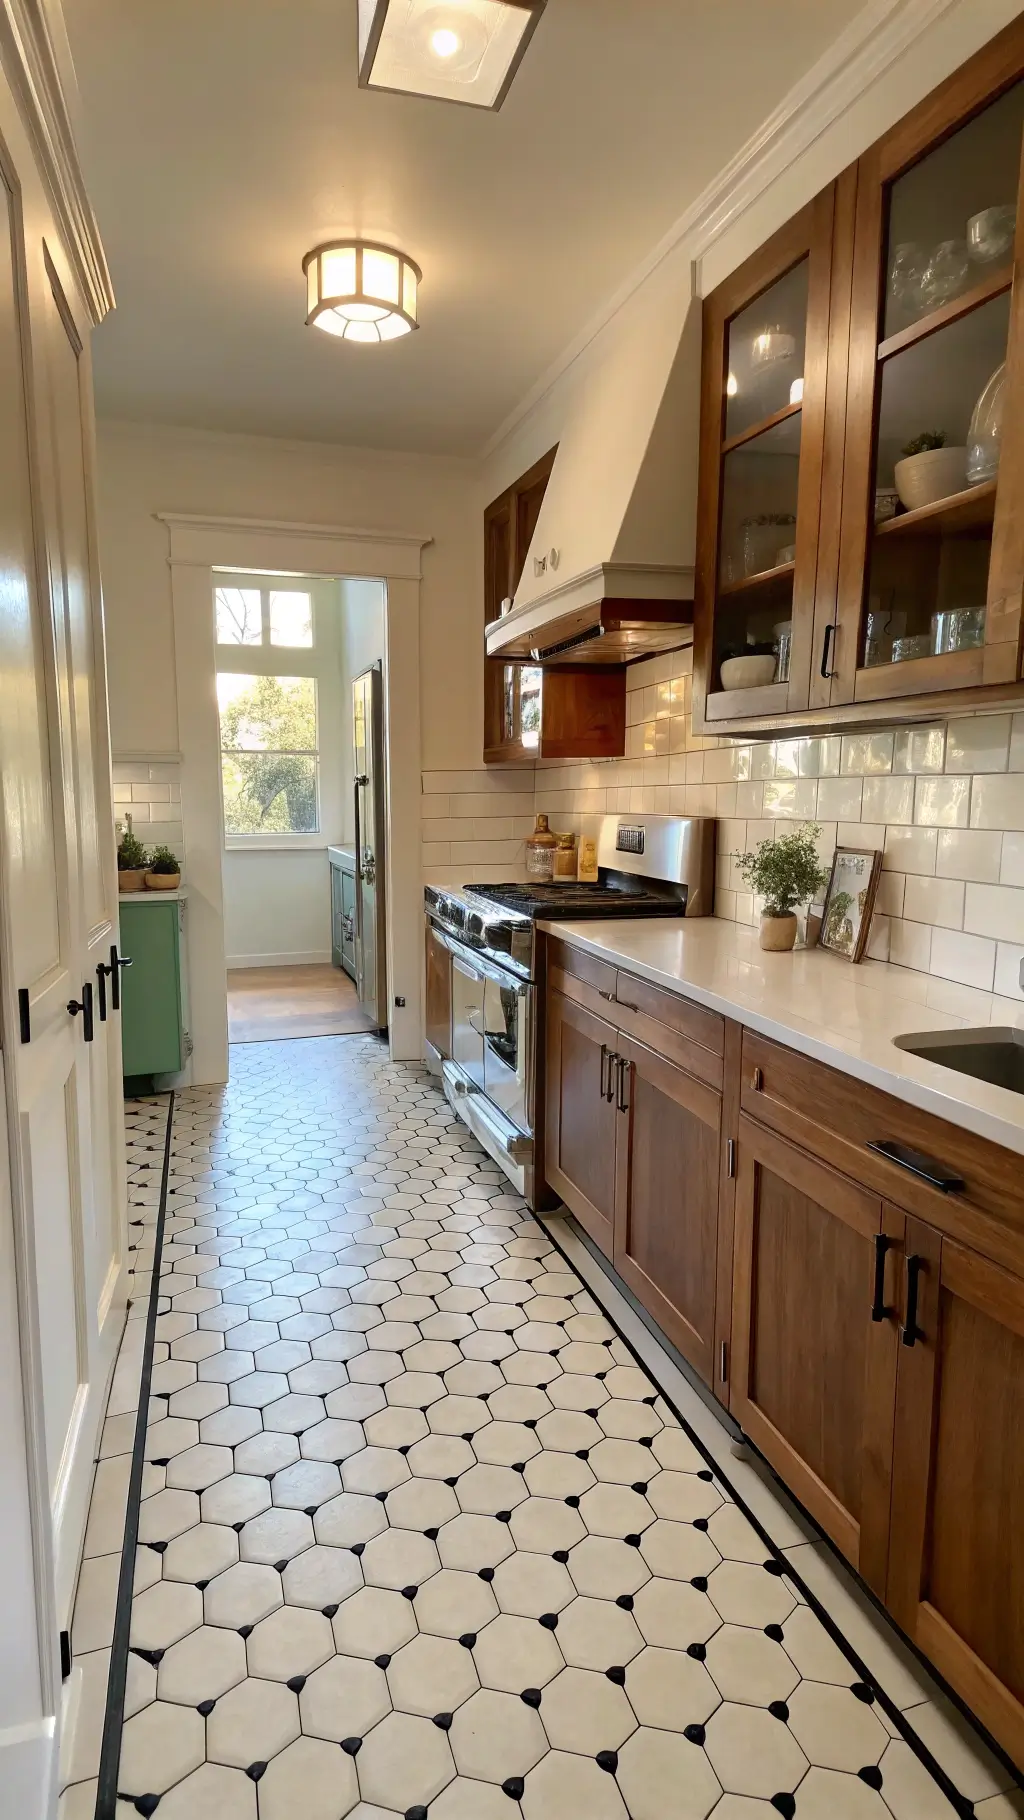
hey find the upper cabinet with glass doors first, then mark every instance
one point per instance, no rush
(909, 539)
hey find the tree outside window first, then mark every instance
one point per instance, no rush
(268, 729)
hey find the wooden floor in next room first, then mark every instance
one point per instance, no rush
(266, 1004)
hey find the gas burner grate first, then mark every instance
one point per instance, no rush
(570, 901)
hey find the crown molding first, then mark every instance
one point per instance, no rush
(31, 65)
(879, 35)
(202, 521)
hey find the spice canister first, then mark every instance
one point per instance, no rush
(540, 850)
(564, 869)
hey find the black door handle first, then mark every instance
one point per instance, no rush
(102, 971)
(911, 1331)
(878, 1307)
(83, 1005)
(116, 963)
(826, 652)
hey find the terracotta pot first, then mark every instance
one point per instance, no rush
(778, 933)
(131, 881)
(163, 881)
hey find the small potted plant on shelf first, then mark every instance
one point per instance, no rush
(132, 860)
(784, 872)
(929, 471)
(164, 871)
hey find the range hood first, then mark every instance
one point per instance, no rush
(609, 574)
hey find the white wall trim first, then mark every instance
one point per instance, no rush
(39, 71)
(197, 546)
(316, 957)
(876, 38)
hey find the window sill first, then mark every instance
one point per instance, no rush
(270, 843)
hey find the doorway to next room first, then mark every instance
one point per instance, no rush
(300, 697)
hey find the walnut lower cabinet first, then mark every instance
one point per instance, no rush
(876, 1329)
(956, 1561)
(813, 1377)
(633, 1146)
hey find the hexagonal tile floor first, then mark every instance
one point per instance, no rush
(417, 1535)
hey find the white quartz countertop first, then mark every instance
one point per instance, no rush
(823, 1006)
(153, 897)
(345, 857)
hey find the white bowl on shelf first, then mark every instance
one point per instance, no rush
(934, 474)
(748, 672)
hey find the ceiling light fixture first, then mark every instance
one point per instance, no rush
(360, 291)
(449, 50)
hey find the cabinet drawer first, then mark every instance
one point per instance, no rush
(672, 1026)
(837, 1118)
(583, 970)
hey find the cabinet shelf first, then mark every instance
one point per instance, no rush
(992, 286)
(957, 516)
(768, 584)
(760, 428)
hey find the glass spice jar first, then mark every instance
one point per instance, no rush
(540, 850)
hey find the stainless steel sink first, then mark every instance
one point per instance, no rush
(993, 1054)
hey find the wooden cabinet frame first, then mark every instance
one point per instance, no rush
(961, 678)
(828, 687)
(809, 235)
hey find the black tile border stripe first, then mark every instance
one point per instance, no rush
(113, 1718)
(959, 1802)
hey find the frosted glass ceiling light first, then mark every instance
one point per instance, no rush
(361, 292)
(450, 50)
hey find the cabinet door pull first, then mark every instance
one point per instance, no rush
(730, 1151)
(625, 1069)
(826, 652)
(911, 1331)
(878, 1307)
(723, 1363)
(757, 1080)
(925, 1167)
(605, 1057)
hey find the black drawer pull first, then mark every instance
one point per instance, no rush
(625, 1005)
(935, 1174)
(911, 1331)
(878, 1307)
(610, 996)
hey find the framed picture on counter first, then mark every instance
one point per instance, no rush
(849, 901)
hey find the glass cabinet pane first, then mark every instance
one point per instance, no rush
(934, 506)
(765, 348)
(531, 682)
(952, 215)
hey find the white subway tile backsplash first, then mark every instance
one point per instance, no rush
(996, 910)
(998, 802)
(979, 744)
(971, 959)
(969, 853)
(944, 804)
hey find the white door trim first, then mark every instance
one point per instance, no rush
(197, 545)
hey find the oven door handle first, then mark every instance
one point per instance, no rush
(474, 963)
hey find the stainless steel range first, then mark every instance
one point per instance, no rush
(482, 949)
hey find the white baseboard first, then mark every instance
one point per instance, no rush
(314, 957)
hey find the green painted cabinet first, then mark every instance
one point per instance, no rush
(152, 1033)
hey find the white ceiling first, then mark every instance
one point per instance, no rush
(224, 138)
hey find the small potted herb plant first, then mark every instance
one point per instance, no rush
(164, 871)
(784, 872)
(132, 860)
(929, 471)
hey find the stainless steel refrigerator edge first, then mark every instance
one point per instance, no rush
(369, 840)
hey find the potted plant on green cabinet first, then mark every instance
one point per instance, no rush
(164, 872)
(132, 860)
(784, 872)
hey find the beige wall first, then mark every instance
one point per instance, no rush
(145, 470)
